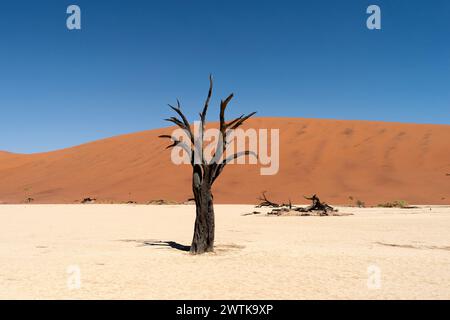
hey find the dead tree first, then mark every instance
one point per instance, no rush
(278, 209)
(316, 205)
(266, 202)
(205, 173)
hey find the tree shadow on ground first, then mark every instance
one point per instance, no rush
(159, 243)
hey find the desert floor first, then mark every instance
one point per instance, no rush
(136, 252)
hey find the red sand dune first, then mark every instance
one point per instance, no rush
(371, 161)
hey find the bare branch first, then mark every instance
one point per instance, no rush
(222, 143)
(234, 121)
(203, 122)
(180, 113)
(217, 170)
(178, 143)
(223, 106)
(184, 124)
(239, 122)
(177, 122)
(208, 98)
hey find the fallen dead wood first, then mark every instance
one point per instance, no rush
(287, 212)
(317, 205)
(317, 208)
(251, 213)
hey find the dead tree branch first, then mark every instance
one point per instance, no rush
(266, 202)
(316, 208)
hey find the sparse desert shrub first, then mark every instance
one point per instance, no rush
(360, 204)
(351, 199)
(395, 204)
(88, 200)
(162, 202)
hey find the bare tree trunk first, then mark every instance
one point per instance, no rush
(203, 240)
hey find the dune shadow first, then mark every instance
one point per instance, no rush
(159, 243)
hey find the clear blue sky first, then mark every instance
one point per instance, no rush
(60, 88)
